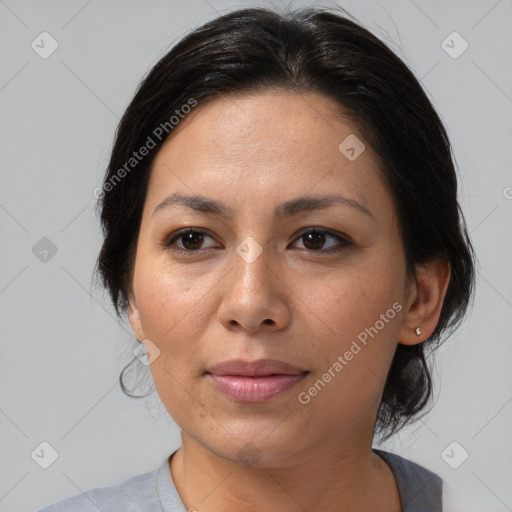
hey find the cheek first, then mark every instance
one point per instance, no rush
(170, 299)
(360, 321)
(353, 299)
(172, 309)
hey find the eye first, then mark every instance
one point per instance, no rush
(315, 238)
(191, 240)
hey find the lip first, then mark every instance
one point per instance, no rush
(255, 381)
(258, 368)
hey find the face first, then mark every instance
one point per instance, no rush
(320, 286)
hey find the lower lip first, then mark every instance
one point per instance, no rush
(255, 389)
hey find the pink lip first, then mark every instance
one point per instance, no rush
(256, 381)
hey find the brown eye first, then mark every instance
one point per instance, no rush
(315, 239)
(191, 240)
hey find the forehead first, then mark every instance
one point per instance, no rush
(253, 127)
(261, 146)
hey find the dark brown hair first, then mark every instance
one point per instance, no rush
(316, 50)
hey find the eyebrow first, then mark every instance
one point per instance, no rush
(289, 208)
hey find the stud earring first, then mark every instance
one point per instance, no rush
(418, 331)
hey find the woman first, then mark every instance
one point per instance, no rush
(282, 228)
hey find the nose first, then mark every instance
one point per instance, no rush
(255, 296)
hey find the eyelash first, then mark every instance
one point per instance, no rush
(169, 242)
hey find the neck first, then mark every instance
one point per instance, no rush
(333, 478)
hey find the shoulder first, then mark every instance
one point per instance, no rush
(136, 494)
(420, 489)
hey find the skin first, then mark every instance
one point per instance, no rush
(253, 152)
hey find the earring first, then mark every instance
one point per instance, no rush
(418, 331)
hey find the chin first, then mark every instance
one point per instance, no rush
(257, 448)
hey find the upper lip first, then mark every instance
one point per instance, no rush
(254, 368)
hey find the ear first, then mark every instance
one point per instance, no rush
(134, 317)
(425, 301)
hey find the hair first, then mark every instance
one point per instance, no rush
(307, 50)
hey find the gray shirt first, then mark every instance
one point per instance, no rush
(420, 491)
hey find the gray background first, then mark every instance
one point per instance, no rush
(62, 348)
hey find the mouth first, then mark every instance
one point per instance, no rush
(254, 381)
